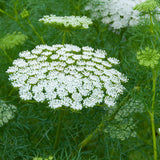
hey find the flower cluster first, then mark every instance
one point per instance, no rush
(117, 13)
(24, 14)
(123, 125)
(148, 57)
(6, 112)
(67, 21)
(66, 75)
(147, 6)
(9, 41)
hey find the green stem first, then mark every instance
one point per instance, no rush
(15, 10)
(11, 91)
(120, 55)
(151, 113)
(92, 135)
(7, 54)
(101, 126)
(2, 11)
(58, 133)
(40, 37)
(151, 21)
(64, 37)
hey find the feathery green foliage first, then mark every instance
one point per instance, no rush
(32, 131)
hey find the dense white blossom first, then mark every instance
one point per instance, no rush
(67, 75)
(117, 13)
(67, 21)
(6, 112)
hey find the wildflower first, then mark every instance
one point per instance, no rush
(66, 75)
(148, 57)
(117, 13)
(67, 21)
(147, 6)
(6, 112)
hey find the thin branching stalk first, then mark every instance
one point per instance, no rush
(101, 126)
(151, 113)
(64, 37)
(2, 11)
(40, 37)
(91, 136)
(58, 133)
(122, 33)
(151, 23)
(15, 10)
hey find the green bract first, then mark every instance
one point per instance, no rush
(148, 57)
(147, 6)
(9, 41)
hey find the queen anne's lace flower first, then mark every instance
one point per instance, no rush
(67, 21)
(6, 112)
(117, 13)
(66, 75)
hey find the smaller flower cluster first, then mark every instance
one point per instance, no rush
(6, 112)
(117, 13)
(67, 75)
(148, 57)
(147, 6)
(67, 21)
(9, 41)
(124, 126)
(24, 14)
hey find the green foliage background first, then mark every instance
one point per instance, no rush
(32, 132)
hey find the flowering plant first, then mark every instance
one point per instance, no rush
(66, 75)
(67, 21)
(117, 13)
(148, 57)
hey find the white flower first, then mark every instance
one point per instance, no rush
(67, 21)
(6, 112)
(113, 60)
(66, 76)
(117, 13)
